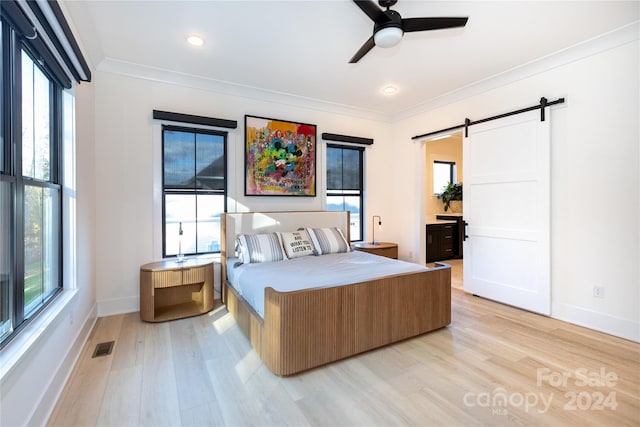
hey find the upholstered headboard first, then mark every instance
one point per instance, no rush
(233, 224)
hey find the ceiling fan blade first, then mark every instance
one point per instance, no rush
(426, 24)
(372, 10)
(366, 47)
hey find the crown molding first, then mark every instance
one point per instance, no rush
(623, 35)
(607, 41)
(130, 69)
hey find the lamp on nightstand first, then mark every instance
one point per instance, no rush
(373, 240)
(180, 255)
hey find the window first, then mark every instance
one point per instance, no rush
(30, 188)
(6, 259)
(443, 174)
(194, 189)
(345, 190)
(3, 147)
(37, 64)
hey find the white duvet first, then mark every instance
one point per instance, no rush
(250, 280)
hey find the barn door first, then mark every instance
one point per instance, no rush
(507, 208)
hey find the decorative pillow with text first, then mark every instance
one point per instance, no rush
(297, 244)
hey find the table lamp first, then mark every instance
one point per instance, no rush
(373, 240)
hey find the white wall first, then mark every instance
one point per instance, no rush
(594, 175)
(37, 363)
(128, 180)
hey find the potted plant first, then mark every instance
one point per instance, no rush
(452, 193)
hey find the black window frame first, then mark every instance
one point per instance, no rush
(11, 171)
(452, 166)
(195, 190)
(361, 194)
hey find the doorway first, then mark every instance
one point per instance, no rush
(443, 163)
(441, 152)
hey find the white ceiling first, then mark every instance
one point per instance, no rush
(302, 47)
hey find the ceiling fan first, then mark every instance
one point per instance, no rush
(389, 26)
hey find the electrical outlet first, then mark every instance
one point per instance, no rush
(410, 254)
(598, 291)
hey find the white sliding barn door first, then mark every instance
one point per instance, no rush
(507, 208)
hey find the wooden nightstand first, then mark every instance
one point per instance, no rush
(171, 290)
(388, 249)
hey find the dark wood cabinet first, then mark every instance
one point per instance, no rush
(440, 241)
(444, 240)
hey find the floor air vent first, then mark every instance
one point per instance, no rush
(103, 349)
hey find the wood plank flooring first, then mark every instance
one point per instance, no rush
(494, 365)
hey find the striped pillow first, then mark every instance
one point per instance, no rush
(328, 240)
(254, 248)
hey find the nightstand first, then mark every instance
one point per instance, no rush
(171, 290)
(387, 249)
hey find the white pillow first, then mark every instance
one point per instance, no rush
(328, 240)
(297, 244)
(254, 248)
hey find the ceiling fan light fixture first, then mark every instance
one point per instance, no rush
(388, 37)
(389, 26)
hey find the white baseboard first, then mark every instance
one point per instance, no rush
(608, 324)
(59, 380)
(110, 307)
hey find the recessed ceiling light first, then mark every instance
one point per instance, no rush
(195, 40)
(389, 90)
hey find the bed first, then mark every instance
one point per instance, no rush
(297, 330)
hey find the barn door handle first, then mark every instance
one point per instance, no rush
(465, 231)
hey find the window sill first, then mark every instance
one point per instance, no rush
(214, 257)
(19, 347)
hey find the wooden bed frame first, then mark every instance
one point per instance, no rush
(312, 327)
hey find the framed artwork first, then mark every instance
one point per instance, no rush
(280, 157)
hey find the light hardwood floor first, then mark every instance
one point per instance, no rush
(494, 365)
(457, 280)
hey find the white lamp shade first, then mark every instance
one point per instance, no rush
(388, 37)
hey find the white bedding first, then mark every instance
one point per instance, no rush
(250, 280)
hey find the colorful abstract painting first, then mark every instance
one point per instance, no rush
(280, 157)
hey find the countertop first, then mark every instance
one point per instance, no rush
(457, 215)
(433, 219)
